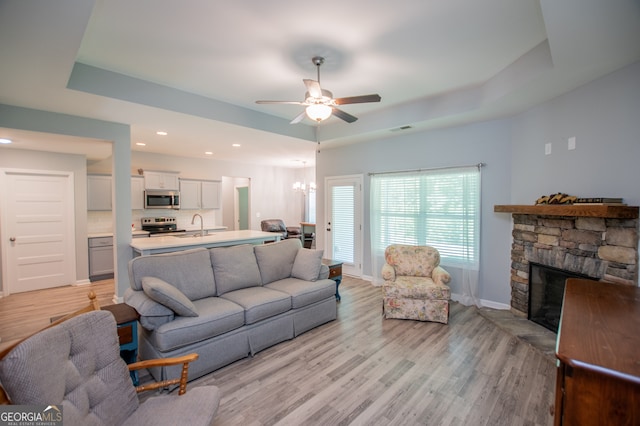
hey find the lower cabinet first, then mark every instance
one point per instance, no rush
(100, 258)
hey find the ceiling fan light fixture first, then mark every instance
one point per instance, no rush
(318, 112)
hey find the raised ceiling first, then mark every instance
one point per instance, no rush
(195, 68)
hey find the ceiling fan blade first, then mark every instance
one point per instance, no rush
(281, 102)
(358, 99)
(343, 115)
(299, 117)
(313, 87)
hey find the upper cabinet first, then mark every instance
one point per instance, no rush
(137, 193)
(161, 180)
(199, 194)
(99, 192)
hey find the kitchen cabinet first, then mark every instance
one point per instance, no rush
(161, 180)
(199, 194)
(99, 192)
(137, 192)
(100, 258)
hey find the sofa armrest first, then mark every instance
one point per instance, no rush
(440, 276)
(388, 272)
(152, 313)
(324, 272)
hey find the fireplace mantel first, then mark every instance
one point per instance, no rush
(572, 210)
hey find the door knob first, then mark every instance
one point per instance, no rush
(12, 239)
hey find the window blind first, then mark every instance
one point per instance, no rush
(440, 208)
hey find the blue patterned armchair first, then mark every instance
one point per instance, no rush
(415, 287)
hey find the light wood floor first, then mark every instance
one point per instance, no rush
(22, 314)
(362, 369)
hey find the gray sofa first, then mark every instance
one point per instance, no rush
(227, 303)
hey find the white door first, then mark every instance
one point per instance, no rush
(344, 222)
(37, 228)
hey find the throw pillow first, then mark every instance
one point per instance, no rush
(307, 264)
(169, 296)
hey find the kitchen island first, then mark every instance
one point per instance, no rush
(147, 246)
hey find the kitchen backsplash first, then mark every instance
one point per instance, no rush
(102, 221)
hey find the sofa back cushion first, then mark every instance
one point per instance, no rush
(275, 260)
(414, 261)
(234, 268)
(189, 271)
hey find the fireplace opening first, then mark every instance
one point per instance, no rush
(546, 291)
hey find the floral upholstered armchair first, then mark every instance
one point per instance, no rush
(415, 287)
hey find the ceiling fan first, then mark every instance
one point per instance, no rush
(320, 103)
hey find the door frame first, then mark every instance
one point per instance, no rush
(4, 231)
(356, 270)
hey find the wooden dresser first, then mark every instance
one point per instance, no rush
(598, 349)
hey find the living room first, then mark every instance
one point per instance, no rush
(601, 114)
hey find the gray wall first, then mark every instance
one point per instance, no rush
(603, 115)
(487, 142)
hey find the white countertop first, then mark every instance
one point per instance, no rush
(222, 238)
(206, 228)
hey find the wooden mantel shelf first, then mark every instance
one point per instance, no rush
(590, 210)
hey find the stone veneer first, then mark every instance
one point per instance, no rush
(603, 248)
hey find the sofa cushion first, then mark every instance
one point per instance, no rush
(216, 316)
(303, 292)
(188, 270)
(259, 302)
(152, 313)
(307, 264)
(169, 296)
(234, 268)
(275, 260)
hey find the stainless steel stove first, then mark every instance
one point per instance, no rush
(159, 226)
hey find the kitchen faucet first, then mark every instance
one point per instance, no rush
(193, 221)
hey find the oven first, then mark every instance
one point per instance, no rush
(161, 199)
(160, 226)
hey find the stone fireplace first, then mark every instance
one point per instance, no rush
(596, 241)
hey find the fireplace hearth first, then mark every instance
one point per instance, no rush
(598, 241)
(546, 292)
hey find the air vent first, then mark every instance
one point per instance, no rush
(398, 129)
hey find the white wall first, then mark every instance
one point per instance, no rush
(35, 160)
(271, 195)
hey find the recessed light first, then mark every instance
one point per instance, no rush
(5, 141)
(236, 145)
(161, 133)
(141, 144)
(208, 153)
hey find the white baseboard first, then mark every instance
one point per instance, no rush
(117, 299)
(81, 283)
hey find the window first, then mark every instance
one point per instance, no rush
(440, 208)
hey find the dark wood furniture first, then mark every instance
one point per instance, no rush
(127, 320)
(598, 348)
(335, 273)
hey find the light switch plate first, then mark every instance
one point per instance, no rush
(547, 148)
(571, 143)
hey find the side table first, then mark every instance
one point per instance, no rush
(127, 320)
(335, 273)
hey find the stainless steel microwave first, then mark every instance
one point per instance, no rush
(161, 199)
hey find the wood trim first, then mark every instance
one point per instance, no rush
(572, 210)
